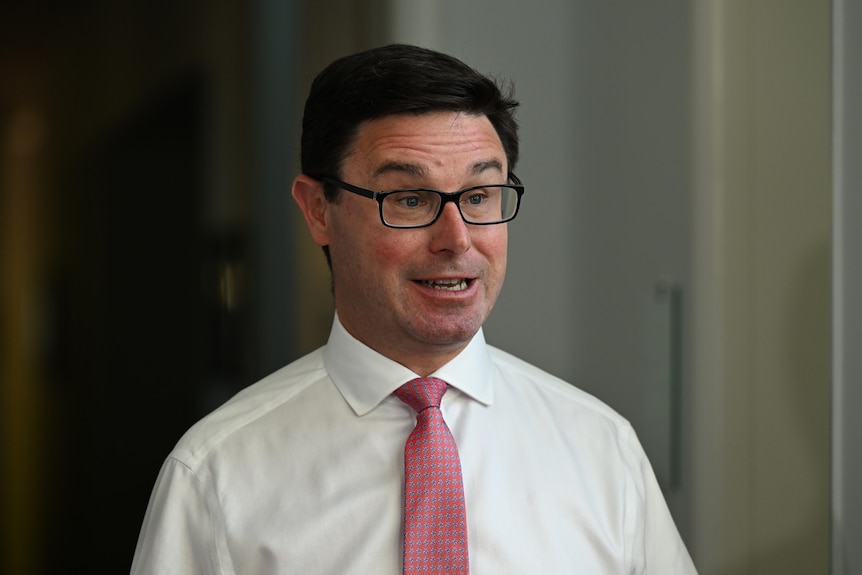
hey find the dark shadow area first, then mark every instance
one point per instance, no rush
(123, 300)
(133, 341)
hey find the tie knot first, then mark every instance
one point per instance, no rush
(422, 392)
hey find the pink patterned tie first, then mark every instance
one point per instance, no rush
(435, 522)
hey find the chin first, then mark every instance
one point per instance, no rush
(450, 333)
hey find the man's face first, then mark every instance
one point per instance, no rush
(417, 295)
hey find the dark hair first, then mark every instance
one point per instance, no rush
(395, 79)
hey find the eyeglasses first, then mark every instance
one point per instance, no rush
(420, 207)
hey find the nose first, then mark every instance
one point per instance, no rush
(450, 232)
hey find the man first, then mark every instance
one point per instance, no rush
(334, 464)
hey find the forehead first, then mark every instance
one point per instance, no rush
(426, 145)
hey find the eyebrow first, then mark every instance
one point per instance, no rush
(418, 171)
(402, 168)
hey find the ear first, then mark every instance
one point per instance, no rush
(308, 194)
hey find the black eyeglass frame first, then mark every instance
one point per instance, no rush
(445, 197)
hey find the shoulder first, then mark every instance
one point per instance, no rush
(249, 407)
(546, 384)
(581, 432)
(560, 405)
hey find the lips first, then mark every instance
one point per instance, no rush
(453, 284)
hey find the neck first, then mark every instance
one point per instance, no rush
(423, 362)
(422, 358)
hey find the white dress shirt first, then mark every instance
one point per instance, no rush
(303, 473)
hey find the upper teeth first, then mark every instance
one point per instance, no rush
(447, 284)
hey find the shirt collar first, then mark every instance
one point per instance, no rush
(365, 377)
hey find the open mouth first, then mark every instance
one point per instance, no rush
(454, 284)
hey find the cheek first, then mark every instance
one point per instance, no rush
(494, 246)
(367, 257)
(388, 258)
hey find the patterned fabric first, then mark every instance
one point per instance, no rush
(435, 521)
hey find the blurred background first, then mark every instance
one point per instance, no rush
(674, 254)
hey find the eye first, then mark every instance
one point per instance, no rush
(409, 200)
(475, 198)
(406, 200)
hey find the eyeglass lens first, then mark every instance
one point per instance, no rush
(487, 205)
